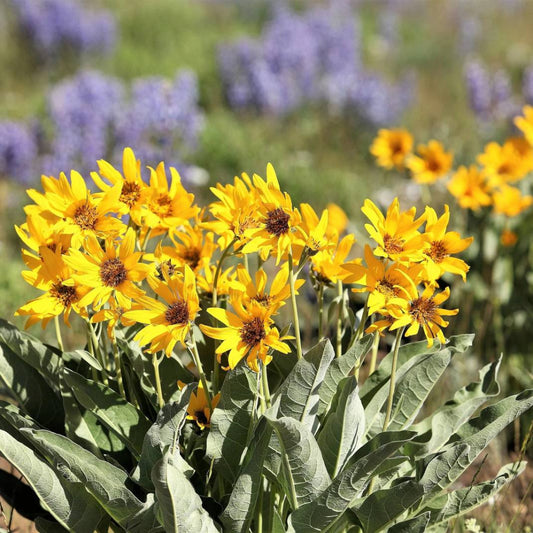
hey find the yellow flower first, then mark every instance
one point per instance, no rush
(327, 265)
(337, 220)
(192, 246)
(525, 123)
(36, 233)
(396, 234)
(441, 246)
(314, 234)
(247, 333)
(198, 408)
(113, 315)
(508, 238)
(61, 296)
(279, 223)
(385, 284)
(255, 290)
(433, 163)
(133, 190)
(75, 210)
(206, 280)
(469, 186)
(167, 323)
(509, 201)
(504, 164)
(110, 272)
(235, 212)
(391, 148)
(168, 207)
(423, 310)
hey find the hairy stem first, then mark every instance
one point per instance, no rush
(294, 308)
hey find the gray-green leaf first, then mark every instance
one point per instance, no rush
(180, 507)
(344, 427)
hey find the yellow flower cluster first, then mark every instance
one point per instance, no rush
(405, 259)
(136, 252)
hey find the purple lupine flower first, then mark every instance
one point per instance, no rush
(491, 95)
(83, 111)
(18, 150)
(527, 84)
(304, 58)
(479, 89)
(162, 120)
(51, 24)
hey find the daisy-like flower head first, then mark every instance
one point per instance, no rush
(504, 163)
(508, 238)
(432, 164)
(113, 315)
(170, 318)
(62, 293)
(247, 333)
(279, 223)
(133, 190)
(235, 211)
(77, 212)
(192, 246)
(36, 233)
(198, 408)
(396, 234)
(470, 187)
(423, 311)
(442, 245)
(510, 201)
(108, 272)
(525, 123)
(206, 279)
(391, 148)
(314, 229)
(168, 207)
(337, 220)
(327, 265)
(386, 285)
(255, 291)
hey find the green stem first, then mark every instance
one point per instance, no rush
(361, 328)
(294, 308)
(339, 318)
(397, 343)
(320, 311)
(374, 358)
(219, 269)
(196, 358)
(97, 352)
(264, 385)
(58, 334)
(156, 362)
(118, 367)
(145, 240)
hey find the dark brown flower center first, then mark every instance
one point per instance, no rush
(396, 146)
(201, 418)
(262, 299)
(177, 313)
(423, 310)
(113, 272)
(166, 266)
(130, 193)
(66, 295)
(392, 245)
(162, 206)
(253, 332)
(433, 165)
(192, 257)
(277, 222)
(86, 217)
(437, 251)
(387, 288)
